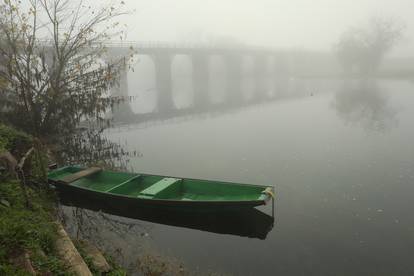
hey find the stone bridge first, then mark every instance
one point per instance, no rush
(162, 55)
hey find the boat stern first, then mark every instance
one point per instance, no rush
(267, 194)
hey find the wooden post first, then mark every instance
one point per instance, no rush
(21, 177)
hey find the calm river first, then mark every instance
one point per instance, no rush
(341, 158)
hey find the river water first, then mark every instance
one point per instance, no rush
(341, 162)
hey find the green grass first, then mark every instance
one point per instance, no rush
(116, 270)
(32, 230)
(24, 229)
(13, 140)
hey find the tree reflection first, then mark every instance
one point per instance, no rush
(363, 103)
(121, 238)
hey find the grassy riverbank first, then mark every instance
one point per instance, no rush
(29, 218)
(28, 232)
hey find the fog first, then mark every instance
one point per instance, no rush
(306, 24)
(323, 113)
(328, 127)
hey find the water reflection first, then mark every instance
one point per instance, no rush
(364, 103)
(284, 89)
(341, 202)
(250, 223)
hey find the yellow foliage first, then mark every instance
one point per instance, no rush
(3, 83)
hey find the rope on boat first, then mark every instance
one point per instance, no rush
(269, 192)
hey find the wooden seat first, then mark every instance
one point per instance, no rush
(159, 186)
(73, 177)
(123, 183)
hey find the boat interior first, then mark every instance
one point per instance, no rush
(155, 187)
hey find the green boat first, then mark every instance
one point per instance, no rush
(155, 191)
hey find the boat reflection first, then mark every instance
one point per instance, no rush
(250, 223)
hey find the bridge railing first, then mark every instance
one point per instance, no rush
(180, 45)
(171, 45)
(166, 45)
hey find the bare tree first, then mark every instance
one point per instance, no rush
(364, 48)
(52, 74)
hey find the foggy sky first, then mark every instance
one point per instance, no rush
(310, 24)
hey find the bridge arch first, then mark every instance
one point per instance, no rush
(248, 82)
(142, 85)
(217, 78)
(269, 73)
(182, 81)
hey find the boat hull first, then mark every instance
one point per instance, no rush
(247, 222)
(113, 200)
(154, 191)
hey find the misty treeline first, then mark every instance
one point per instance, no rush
(361, 50)
(54, 69)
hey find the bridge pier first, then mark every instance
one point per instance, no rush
(49, 59)
(281, 75)
(260, 75)
(200, 81)
(162, 62)
(234, 76)
(122, 110)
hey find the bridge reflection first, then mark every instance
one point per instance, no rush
(288, 89)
